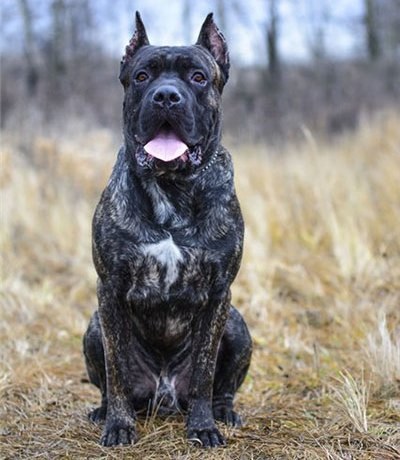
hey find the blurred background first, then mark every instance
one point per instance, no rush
(296, 64)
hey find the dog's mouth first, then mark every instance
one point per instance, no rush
(167, 151)
(166, 145)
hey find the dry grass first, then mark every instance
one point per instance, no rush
(353, 397)
(319, 287)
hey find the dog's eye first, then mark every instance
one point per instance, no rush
(141, 76)
(199, 77)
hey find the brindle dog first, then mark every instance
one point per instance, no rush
(167, 244)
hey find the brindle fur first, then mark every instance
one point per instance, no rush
(167, 244)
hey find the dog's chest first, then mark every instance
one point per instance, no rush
(169, 265)
(168, 256)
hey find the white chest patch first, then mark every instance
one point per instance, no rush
(168, 254)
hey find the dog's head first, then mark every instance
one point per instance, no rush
(172, 106)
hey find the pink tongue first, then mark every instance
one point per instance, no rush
(166, 146)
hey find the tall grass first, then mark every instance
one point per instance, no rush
(383, 353)
(352, 397)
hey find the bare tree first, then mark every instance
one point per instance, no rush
(221, 14)
(272, 35)
(318, 17)
(57, 49)
(32, 73)
(187, 10)
(371, 30)
(389, 27)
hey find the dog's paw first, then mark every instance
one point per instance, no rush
(228, 416)
(118, 434)
(210, 437)
(98, 415)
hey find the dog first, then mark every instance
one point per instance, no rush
(167, 245)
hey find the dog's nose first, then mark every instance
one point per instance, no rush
(167, 96)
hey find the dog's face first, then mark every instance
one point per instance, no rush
(172, 100)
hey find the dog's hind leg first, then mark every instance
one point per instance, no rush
(95, 365)
(233, 361)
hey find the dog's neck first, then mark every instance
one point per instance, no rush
(170, 197)
(163, 205)
(210, 162)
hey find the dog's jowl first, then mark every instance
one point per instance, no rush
(167, 244)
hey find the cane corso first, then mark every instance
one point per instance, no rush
(167, 244)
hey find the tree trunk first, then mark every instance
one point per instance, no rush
(272, 42)
(221, 15)
(32, 74)
(187, 21)
(371, 30)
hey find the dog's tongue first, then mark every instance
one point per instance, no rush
(166, 146)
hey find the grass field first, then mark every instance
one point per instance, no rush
(319, 287)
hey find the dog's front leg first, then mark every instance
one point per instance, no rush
(207, 331)
(119, 425)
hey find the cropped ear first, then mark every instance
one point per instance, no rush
(213, 40)
(139, 39)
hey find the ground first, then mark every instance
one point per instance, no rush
(319, 287)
